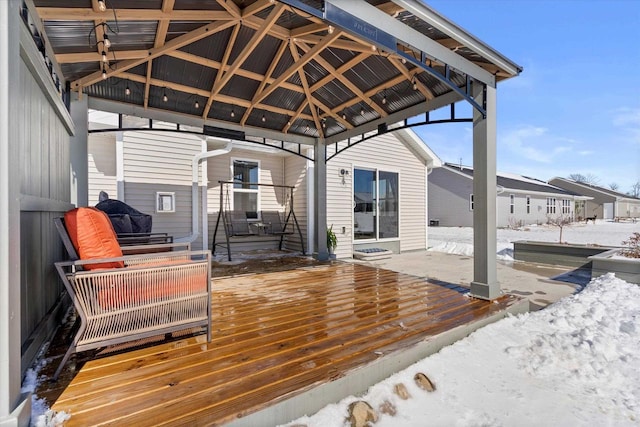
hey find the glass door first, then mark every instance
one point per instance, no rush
(375, 204)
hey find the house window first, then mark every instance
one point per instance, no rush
(471, 202)
(165, 202)
(245, 189)
(566, 206)
(512, 203)
(551, 205)
(528, 204)
(375, 201)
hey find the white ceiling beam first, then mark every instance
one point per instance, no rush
(405, 34)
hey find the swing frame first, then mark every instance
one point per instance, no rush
(226, 216)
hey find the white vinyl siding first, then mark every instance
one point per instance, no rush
(102, 166)
(161, 161)
(271, 171)
(386, 153)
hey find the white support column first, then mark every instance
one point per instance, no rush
(120, 167)
(14, 407)
(485, 283)
(320, 195)
(78, 151)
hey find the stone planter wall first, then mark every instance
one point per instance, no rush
(627, 269)
(571, 255)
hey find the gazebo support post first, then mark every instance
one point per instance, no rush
(320, 189)
(485, 283)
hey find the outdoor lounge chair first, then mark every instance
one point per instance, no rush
(237, 224)
(121, 298)
(276, 227)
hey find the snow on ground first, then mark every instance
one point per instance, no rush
(459, 240)
(571, 364)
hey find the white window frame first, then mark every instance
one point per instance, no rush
(512, 203)
(471, 202)
(528, 204)
(566, 206)
(165, 202)
(551, 205)
(245, 190)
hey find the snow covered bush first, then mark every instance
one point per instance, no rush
(632, 244)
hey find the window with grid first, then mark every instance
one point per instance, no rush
(245, 189)
(566, 206)
(528, 204)
(512, 203)
(551, 205)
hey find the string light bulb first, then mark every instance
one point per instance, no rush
(330, 29)
(344, 116)
(362, 111)
(102, 6)
(107, 42)
(415, 84)
(127, 91)
(104, 56)
(324, 123)
(384, 99)
(165, 98)
(233, 113)
(307, 129)
(264, 119)
(104, 73)
(197, 105)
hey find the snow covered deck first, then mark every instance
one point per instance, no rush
(283, 344)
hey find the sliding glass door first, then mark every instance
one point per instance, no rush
(375, 204)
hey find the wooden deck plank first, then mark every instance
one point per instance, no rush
(274, 334)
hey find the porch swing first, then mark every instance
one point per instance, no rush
(244, 224)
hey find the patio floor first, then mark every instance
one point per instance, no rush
(275, 336)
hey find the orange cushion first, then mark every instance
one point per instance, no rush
(93, 236)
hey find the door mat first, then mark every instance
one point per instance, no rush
(372, 254)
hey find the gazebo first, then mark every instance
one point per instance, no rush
(289, 74)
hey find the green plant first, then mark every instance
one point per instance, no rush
(332, 240)
(632, 249)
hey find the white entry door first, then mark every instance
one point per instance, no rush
(608, 210)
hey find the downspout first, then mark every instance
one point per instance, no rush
(197, 159)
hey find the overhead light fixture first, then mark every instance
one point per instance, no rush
(102, 5)
(107, 42)
(165, 98)
(330, 29)
(197, 105)
(104, 56)
(104, 73)
(127, 91)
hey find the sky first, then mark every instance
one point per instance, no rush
(575, 108)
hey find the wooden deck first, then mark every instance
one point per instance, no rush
(275, 335)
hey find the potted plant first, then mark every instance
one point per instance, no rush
(332, 240)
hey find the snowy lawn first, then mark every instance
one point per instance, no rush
(459, 240)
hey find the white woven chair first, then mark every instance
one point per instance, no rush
(154, 293)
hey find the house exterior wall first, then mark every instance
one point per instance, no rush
(161, 161)
(385, 153)
(271, 171)
(449, 202)
(102, 166)
(449, 198)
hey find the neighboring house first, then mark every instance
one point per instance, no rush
(520, 200)
(604, 203)
(376, 189)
